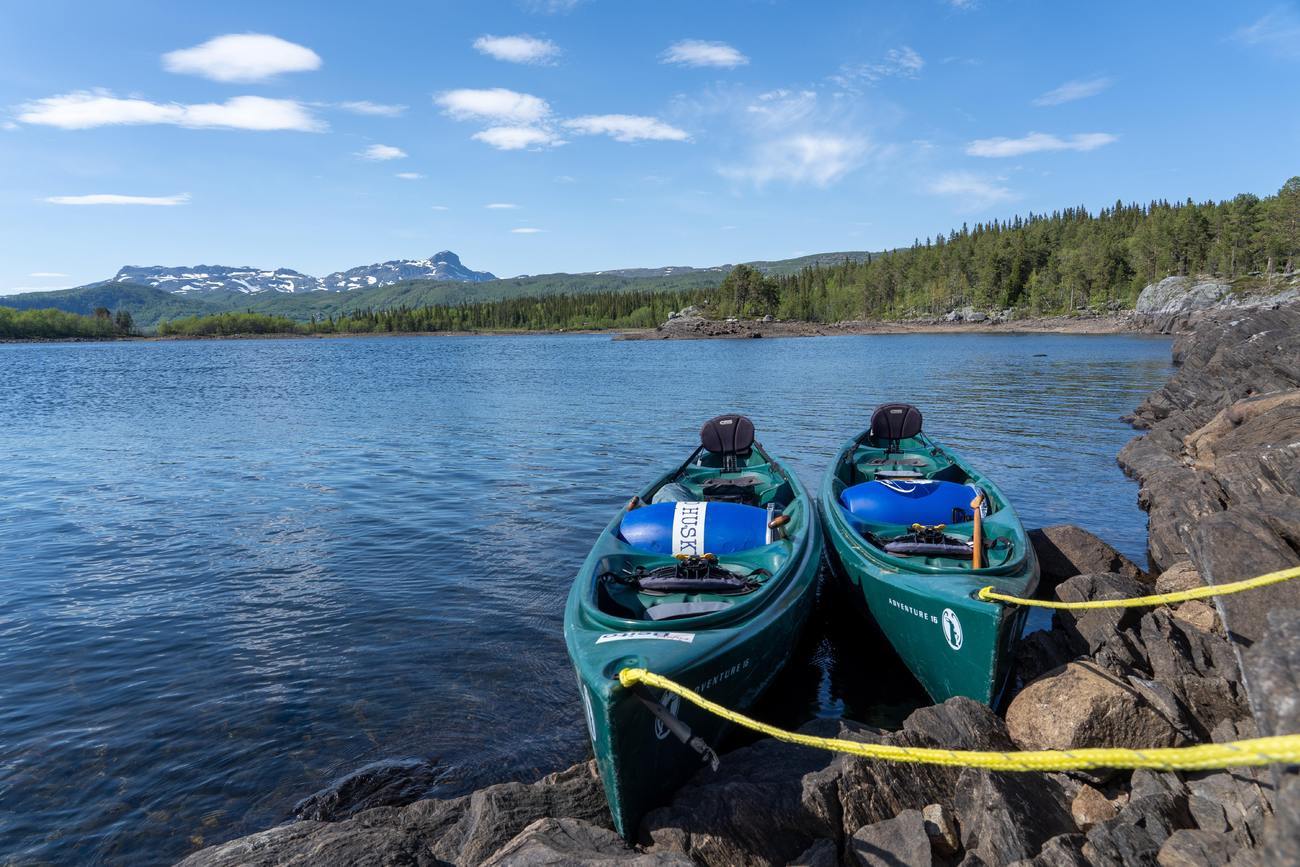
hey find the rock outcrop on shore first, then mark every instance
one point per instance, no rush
(1219, 469)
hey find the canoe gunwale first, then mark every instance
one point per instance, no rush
(748, 608)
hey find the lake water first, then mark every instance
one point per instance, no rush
(231, 572)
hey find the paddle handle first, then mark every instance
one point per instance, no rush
(977, 548)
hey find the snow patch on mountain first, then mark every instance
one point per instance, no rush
(205, 279)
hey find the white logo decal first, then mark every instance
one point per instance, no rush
(688, 528)
(686, 637)
(952, 628)
(673, 703)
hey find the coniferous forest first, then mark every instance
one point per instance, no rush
(1044, 264)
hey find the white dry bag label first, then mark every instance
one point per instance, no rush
(688, 528)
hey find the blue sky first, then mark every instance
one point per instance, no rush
(321, 136)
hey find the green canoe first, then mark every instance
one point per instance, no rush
(899, 521)
(716, 601)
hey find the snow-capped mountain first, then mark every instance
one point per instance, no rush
(217, 278)
(203, 279)
(443, 266)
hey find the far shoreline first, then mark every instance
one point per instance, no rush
(710, 330)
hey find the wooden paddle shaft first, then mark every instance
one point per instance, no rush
(977, 549)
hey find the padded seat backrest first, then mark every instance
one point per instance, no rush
(895, 421)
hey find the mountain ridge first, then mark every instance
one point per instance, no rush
(247, 280)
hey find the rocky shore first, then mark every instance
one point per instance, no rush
(1219, 468)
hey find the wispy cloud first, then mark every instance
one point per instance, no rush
(242, 57)
(1037, 142)
(1072, 90)
(526, 230)
(493, 104)
(86, 109)
(626, 127)
(114, 199)
(373, 109)
(47, 274)
(518, 138)
(971, 191)
(551, 7)
(501, 206)
(962, 4)
(439, 208)
(382, 152)
(1278, 32)
(814, 159)
(901, 62)
(521, 48)
(409, 176)
(697, 52)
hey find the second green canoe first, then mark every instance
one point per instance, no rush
(899, 518)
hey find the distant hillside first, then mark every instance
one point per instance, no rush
(196, 291)
(782, 267)
(146, 304)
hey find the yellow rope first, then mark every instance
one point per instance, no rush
(1284, 749)
(988, 594)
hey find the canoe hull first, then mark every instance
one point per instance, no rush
(640, 762)
(953, 643)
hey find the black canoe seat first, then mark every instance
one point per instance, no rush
(730, 437)
(893, 422)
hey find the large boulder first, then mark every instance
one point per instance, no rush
(871, 791)
(1065, 550)
(381, 784)
(468, 829)
(767, 803)
(897, 842)
(1008, 817)
(1181, 295)
(1084, 705)
(559, 842)
(1089, 629)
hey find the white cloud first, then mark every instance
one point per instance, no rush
(515, 138)
(1072, 90)
(972, 191)
(526, 230)
(373, 109)
(47, 274)
(1036, 142)
(493, 104)
(381, 152)
(409, 176)
(626, 127)
(782, 108)
(565, 179)
(901, 62)
(963, 4)
(697, 52)
(810, 158)
(517, 49)
(501, 206)
(242, 57)
(86, 109)
(1278, 31)
(114, 199)
(439, 208)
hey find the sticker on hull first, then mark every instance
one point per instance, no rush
(952, 629)
(684, 637)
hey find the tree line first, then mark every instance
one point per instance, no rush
(1044, 263)
(51, 324)
(593, 310)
